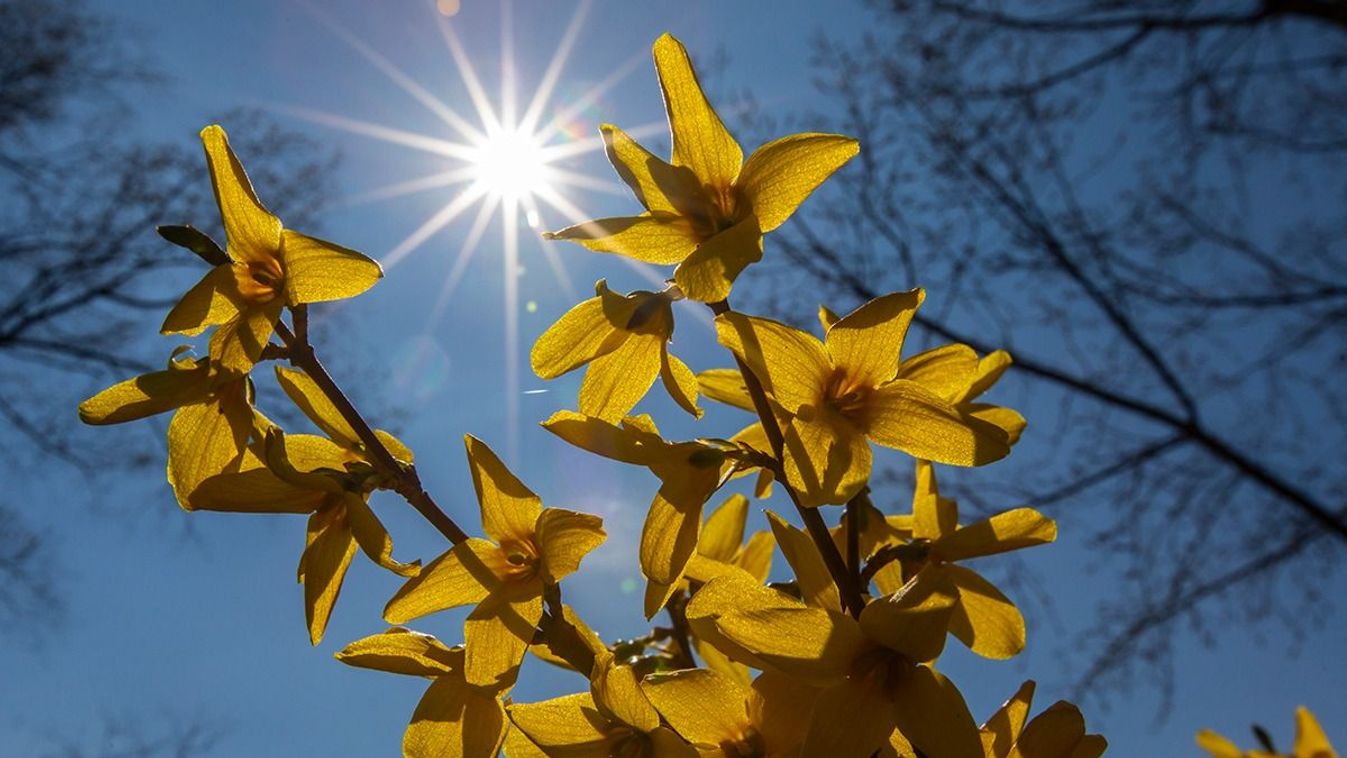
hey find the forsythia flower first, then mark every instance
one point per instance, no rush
(842, 391)
(707, 209)
(625, 341)
(958, 375)
(614, 718)
(530, 547)
(270, 268)
(875, 671)
(721, 547)
(213, 421)
(1311, 742)
(984, 619)
(1058, 732)
(721, 716)
(328, 478)
(453, 717)
(689, 472)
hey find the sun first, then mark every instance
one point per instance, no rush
(511, 164)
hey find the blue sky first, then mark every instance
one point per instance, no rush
(210, 626)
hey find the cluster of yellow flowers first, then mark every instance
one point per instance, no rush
(839, 661)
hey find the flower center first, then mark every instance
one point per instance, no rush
(846, 396)
(259, 281)
(521, 560)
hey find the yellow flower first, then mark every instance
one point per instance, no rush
(529, 548)
(984, 619)
(329, 478)
(453, 718)
(689, 472)
(842, 391)
(270, 268)
(1058, 732)
(722, 717)
(625, 341)
(1311, 742)
(721, 547)
(958, 375)
(213, 421)
(613, 719)
(707, 209)
(874, 673)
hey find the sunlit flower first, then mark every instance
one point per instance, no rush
(270, 268)
(842, 391)
(1311, 742)
(529, 547)
(706, 209)
(453, 717)
(723, 717)
(1058, 732)
(959, 376)
(624, 339)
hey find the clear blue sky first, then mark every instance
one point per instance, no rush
(211, 626)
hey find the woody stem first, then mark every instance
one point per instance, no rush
(407, 483)
(813, 522)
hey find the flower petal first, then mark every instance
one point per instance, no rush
(373, 538)
(780, 707)
(700, 140)
(497, 634)
(669, 537)
(616, 381)
(1003, 728)
(1008, 420)
(402, 651)
(324, 564)
(853, 717)
(660, 238)
(680, 382)
(305, 393)
(237, 344)
(933, 516)
(782, 173)
(463, 575)
(1310, 738)
(911, 418)
(147, 394)
(318, 271)
(598, 437)
(253, 490)
(932, 714)
(570, 725)
(1053, 732)
(1011, 530)
(816, 584)
(724, 529)
(989, 371)
(792, 365)
(984, 619)
(509, 509)
(205, 439)
(617, 691)
(728, 594)
(827, 459)
(709, 272)
(704, 707)
(213, 300)
(810, 643)
(726, 385)
(1217, 745)
(657, 185)
(251, 232)
(913, 620)
(947, 371)
(867, 341)
(454, 719)
(581, 334)
(564, 538)
(756, 557)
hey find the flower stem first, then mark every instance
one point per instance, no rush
(813, 522)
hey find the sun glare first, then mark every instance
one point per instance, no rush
(510, 163)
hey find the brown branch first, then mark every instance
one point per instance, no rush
(678, 618)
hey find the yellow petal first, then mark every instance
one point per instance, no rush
(373, 538)
(517, 745)
(704, 707)
(317, 271)
(564, 538)
(1011, 530)
(665, 743)
(1053, 732)
(496, 635)
(402, 651)
(579, 336)
(720, 663)
(669, 537)
(660, 238)
(570, 725)
(597, 436)
(251, 232)
(1310, 738)
(791, 365)
(989, 370)
(237, 344)
(255, 490)
(205, 439)
(932, 714)
(724, 529)
(810, 643)
(616, 381)
(213, 300)
(463, 575)
(568, 638)
(947, 371)
(867, 341)
(700, 140)
(680, 382)
(852, 718)
(324, 562)
(454, 719)
(617, 691)
(913, 620)
(147, 394)
(780, 708)
(395, 446)
(1009, 421)
(756, 557)
(911, 418)
(709, 272)
(984, 619)
(782, 173)
(933, 516)
(726, 385)
(816, 584)
(657, 185)
(305, 393)
(727, 594)
(509, 509)
(1218, 746)
(1094, 745)
(827, 459)
(1003, 728)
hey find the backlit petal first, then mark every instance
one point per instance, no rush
(990, 369)
(454, 719)
(851, 718)
(1217, 745)
(947, 371)
(1003, 728)
(659, 238)
(251, 232)
(810, 643)
(1011, 530)
(213, 300)
(911, 418)
(792, 365)
(318, 271)
(669, 537)
(564, 538)
(617, 380)
(816, 584)
(709, 272)
(704, 707)
(402, 651)
(1310, 738)
(915, 619)
(1054, 732)
(617, 690)
(305, 393)
(146, 395)
(782, 173)
(570, 725)
(237, 344)
(463, 575)
(509, 509)
(728, 594)
(657, 185)
(700, 140)
(779, 707)
(325, 561)
(933, 516)
(724, 529)
(205, 439)
(255, 490)
(373, 538)
(984, 619)
(725, 385)
(932, 714)
(680, 383)
(827, 459)
(496, 635)
(867, 341)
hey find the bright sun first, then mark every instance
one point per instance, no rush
(510, 164)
